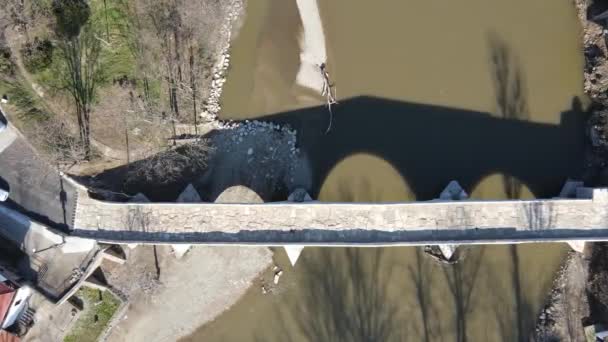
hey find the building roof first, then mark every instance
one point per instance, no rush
(6, 299)
(6, 288)
(5, 336)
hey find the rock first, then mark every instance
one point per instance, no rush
(277, 275)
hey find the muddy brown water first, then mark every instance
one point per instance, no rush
(484, 92)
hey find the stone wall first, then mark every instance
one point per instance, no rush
(316, 223)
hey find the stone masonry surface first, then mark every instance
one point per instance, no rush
(316, 223)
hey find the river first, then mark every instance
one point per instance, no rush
(485, 92)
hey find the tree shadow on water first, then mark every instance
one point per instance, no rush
(511, 95)
(461, 279)
(346, 299)
(508, 79)
(513, 310)
(420, 274)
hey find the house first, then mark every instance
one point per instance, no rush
(5, 336)
(15, 316)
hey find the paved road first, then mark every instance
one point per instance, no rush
(35, 188)
(6, 138)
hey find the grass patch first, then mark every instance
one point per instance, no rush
(95, 317)
(116, 59)
(24, 104)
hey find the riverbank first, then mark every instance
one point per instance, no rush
(560, 319)
(188, 292)
(595, 52)
(169, 297)
(312, 46)
(572, 298)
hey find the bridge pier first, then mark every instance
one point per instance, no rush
(189, 195)
(294, 251)
(577, 246)
(452, 192)
(299, 195)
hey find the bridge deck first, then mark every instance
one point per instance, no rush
(316, 223)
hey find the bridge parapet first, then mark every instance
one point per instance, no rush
(368, 224)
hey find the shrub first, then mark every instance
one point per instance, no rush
(7, 67)
(38, 55)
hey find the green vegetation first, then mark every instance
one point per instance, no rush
(38, 55)
(28, 108)
(99, 307)
(81, 70)
(86, 60)
(117, 59)
(24, 104)
(6, 66)
(130, 70)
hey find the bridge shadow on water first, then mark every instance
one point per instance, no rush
(432, 145)
(429, 145)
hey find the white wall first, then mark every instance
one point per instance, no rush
(17, 306)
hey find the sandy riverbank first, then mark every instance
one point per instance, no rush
(190, 292)
(560, 319)
(312, 46)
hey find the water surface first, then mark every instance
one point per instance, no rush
(485, 92)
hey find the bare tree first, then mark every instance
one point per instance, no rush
(80, 50)
(57, 146)
(23, 13)
(174, 40)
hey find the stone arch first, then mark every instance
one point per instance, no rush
(346, 182)
(499, 185)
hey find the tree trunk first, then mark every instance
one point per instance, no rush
(178, 58)
(193, 86)
(87, 135)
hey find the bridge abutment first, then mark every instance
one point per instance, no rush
(577, 189)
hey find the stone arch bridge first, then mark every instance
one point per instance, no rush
(579, 214)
